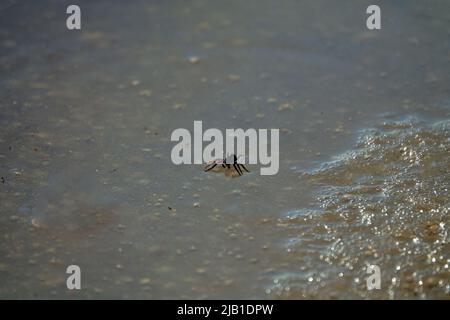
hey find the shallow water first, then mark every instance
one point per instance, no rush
(386, 202)
(85, 124)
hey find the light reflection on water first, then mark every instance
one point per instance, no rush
(385, 203)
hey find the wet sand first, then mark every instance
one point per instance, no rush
(87, 179)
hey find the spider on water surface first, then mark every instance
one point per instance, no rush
(226, 164)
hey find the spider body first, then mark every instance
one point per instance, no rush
(225, 164)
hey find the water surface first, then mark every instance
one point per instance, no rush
(85, 124)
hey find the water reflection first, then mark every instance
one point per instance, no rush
(386, 203)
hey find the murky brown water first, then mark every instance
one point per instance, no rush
(86, 175)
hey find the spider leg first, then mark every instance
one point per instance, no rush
(210, 166)
(236, 167)
(243, 167)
